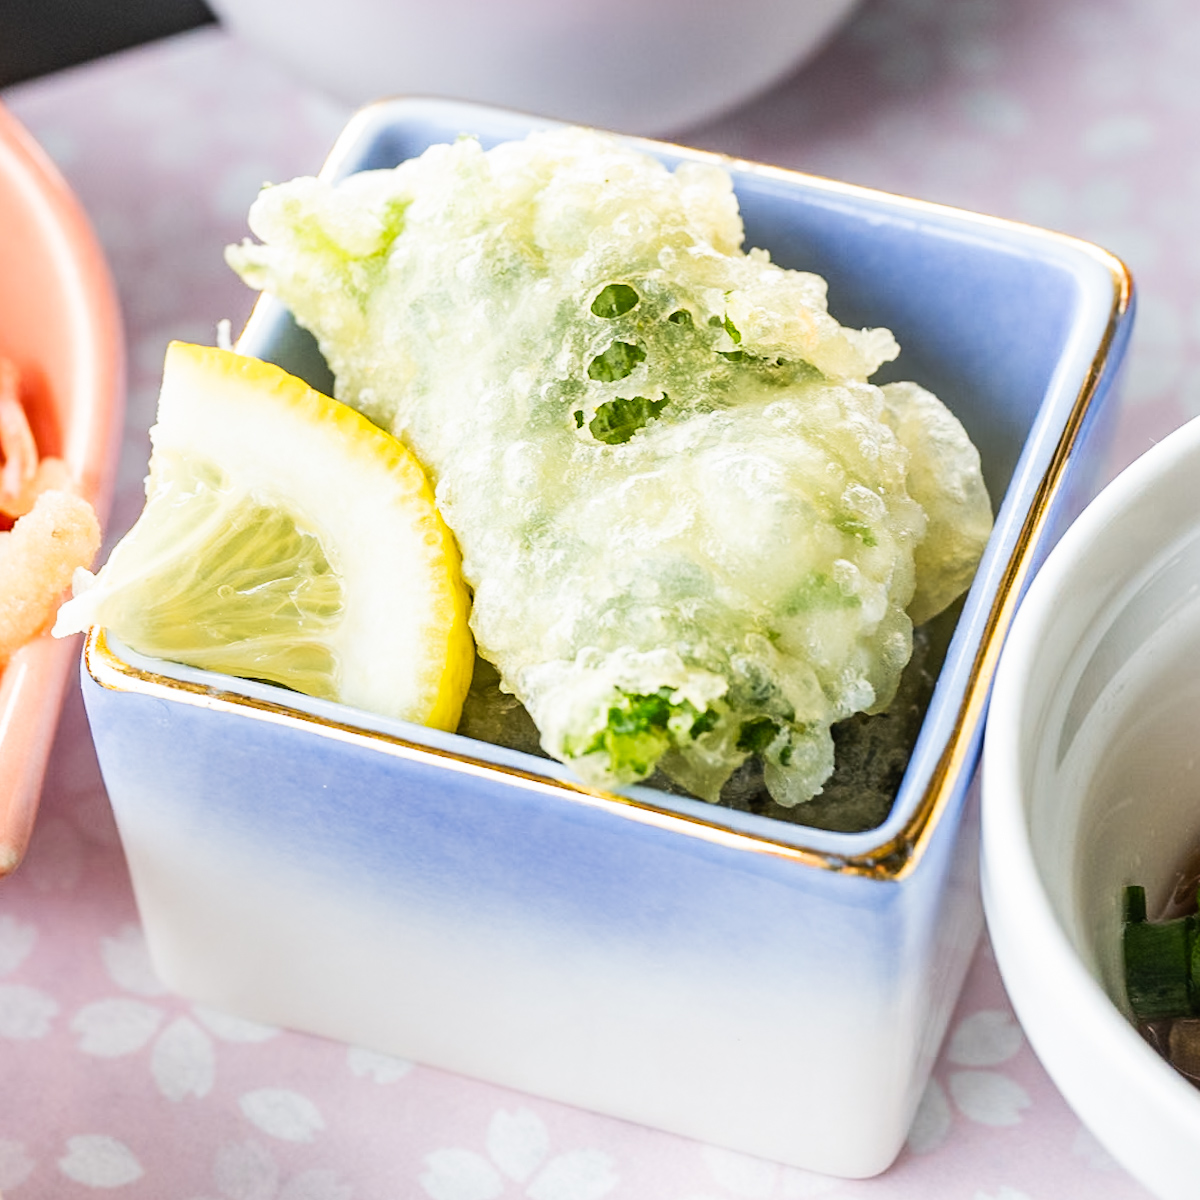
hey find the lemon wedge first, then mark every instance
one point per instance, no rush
(288, 539)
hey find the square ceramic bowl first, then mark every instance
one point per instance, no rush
(770, 987)
(1090, 784)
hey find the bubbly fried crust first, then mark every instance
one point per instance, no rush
(690, 522)
(56, 530)
(38, 556)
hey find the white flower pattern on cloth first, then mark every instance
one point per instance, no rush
(128, 962)
(370, 1064)
(15, 1164)
(518, 1151)
(182, 1056)
(17, 939)
(933, 1120)
(283, 1113)
(182, 1060)
(55, 863)
(986, 1038)
(749, 1178)
(248, 1171)
(99, 1161)
(989, 1098)
(115, 1027)
(25, 1012)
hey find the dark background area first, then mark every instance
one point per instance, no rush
(40, 36)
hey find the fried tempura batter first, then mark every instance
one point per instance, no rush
(56, 531)
(694, 530)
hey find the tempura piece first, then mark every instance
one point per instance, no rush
(56, 531)
(38, 556)
(693, 529)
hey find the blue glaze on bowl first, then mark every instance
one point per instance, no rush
(770, 987)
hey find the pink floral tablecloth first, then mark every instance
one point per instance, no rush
(1083, 115)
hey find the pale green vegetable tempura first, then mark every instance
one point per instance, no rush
(694, 531)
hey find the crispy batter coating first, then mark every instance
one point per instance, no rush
(693, 528)
(38, 556)
(56, 530)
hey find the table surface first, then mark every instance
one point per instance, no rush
(1080, 115)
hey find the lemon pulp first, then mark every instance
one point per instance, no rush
(286, 538)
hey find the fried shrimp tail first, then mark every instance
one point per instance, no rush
(24, 475)
(20, 455)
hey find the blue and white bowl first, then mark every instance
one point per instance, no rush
(777, 989)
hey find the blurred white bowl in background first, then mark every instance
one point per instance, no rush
(627, 65)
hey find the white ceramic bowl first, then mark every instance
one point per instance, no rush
(1091, 781)
(771, 987)
(620, 64)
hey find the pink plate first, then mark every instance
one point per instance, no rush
(60, 324)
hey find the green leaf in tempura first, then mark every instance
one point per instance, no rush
(616, 421)
(756, 735)
(615, 300)
(616, 362)
(641, 727)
